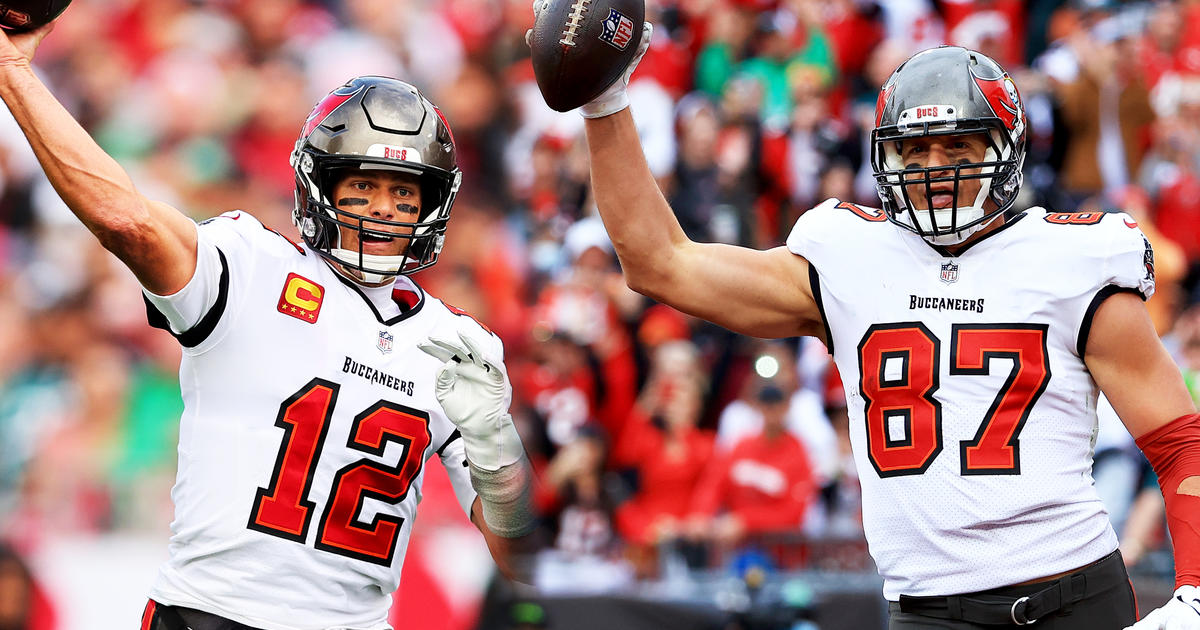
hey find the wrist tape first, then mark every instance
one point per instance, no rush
(506, 498)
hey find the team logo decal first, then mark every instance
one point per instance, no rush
(949, 273)
(301, 298)
(1005, 101)
(881, 102)
(325, 108)
(385, 342)
(1148, 258)
(618, 29)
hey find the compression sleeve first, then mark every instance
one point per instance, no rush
(1174, 451)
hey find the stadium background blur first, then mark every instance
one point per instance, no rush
(662, 477)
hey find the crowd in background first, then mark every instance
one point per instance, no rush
(648, 429)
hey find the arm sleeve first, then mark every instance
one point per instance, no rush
(1174, 451)
(454, 458)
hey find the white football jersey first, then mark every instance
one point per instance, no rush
(972, 414)
(307, 424)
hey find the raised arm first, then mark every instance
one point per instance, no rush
(753, 292)
(157, 242)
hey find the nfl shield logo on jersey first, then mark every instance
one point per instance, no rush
(385, 342)
(949, 272)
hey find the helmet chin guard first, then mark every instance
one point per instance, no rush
(374, 123)
(948, 91)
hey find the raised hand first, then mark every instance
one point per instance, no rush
(18, 48)
(475, 394)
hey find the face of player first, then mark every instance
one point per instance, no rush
(948, 151)
(387, 195)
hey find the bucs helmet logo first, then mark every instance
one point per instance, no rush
(1003, 98)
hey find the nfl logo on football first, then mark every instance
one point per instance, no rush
(385, 342)
(949, 272)
(618, 29)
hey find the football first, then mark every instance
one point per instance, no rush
(26, 15)
(581, 46)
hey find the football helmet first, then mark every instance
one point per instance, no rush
(374, 123)
(948, 91)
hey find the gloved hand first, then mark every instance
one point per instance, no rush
(1181, 613)
(614, 98)
(475, 394)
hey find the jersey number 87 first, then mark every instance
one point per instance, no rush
(900, 373)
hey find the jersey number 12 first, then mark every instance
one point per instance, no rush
(283, 509)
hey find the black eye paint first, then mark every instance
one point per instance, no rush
(406, 208)
(353, 201)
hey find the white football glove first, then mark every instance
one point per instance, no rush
(475, 394)
(614, 98)
(1181, 613)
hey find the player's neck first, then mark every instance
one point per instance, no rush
(996, 223)
(356, 276)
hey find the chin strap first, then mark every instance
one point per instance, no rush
(1174, 451)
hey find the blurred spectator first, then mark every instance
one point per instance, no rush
(586, 554)
(993, 27)
(588, 305)
(24, 604)
(764, 484)
(775, 366)
(663, 445)
(1106, 110)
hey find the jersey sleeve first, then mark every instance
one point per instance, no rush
(454, 459)
(1130, 259)
(812, 231)
(225, 245)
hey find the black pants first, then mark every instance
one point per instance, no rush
(159, 617)
(1096, 597)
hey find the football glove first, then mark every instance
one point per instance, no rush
(474, 393)
(1181, 613)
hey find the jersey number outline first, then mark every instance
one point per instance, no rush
(283, 508)
(906, 394)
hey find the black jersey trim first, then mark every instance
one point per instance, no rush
(1009, 221)
(1085, 328)
(814, 281)
(453, 436)
(405, 310)
(195, 335)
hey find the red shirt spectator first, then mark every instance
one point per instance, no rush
(765, 483)
(670, 462)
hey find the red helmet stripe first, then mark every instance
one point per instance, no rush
(442, 117)
(323, 110)
(881, 103)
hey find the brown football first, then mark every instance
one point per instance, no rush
(581, 46)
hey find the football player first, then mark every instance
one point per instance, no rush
(972, 336)
(318, 378)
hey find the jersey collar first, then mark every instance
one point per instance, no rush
(1010, 219)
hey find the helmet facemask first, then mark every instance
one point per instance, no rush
(942, 93)
(953, 224)
(374, 124)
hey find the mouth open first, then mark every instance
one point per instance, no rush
(941, 200)
(374, 238)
